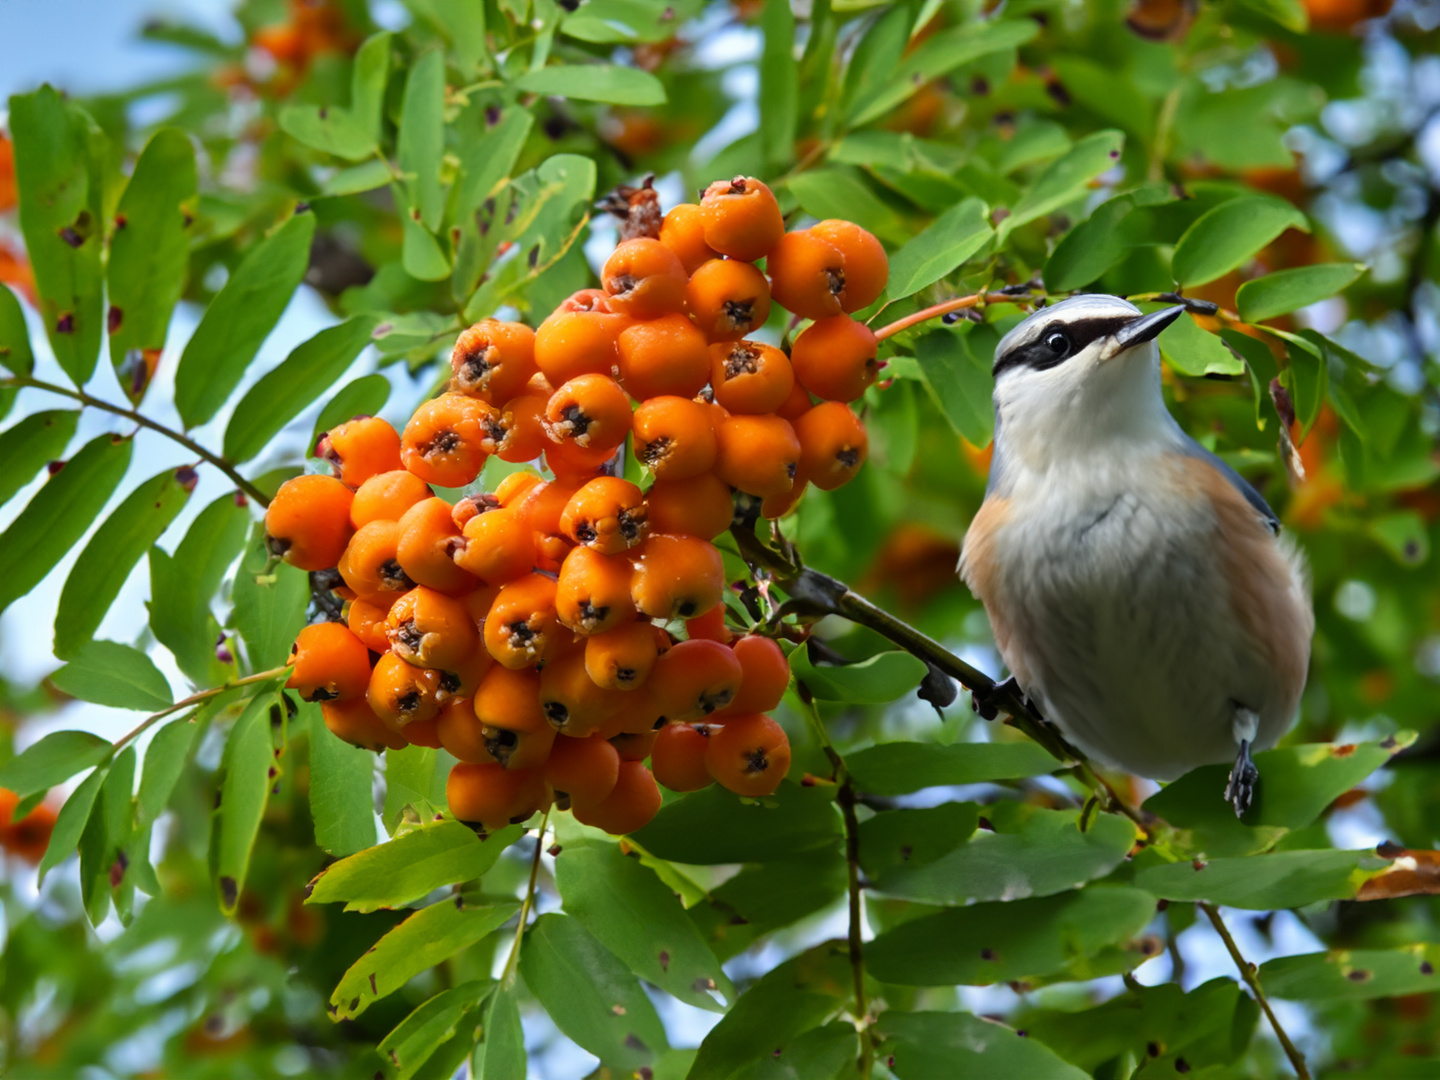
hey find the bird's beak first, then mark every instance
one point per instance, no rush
(1145, 328)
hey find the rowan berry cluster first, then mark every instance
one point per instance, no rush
(560, 631)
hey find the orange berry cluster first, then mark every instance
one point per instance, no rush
(527, 630)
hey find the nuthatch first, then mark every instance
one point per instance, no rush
(1138, 588)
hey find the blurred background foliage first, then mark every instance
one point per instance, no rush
(451, 153)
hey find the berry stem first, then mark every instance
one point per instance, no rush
(959, 303)
(195, 699)
(512, 962)
(1247, 972)
(190, 444)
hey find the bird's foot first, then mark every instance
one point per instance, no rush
(1240, 787)
(988, 704)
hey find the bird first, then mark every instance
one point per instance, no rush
(1139, 589)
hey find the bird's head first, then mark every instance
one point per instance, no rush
(1077, 375)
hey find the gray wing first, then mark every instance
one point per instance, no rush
(1238, 482)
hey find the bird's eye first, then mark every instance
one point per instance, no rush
(1057, 342)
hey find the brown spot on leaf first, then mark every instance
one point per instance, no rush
(1359, 975)
(114, 318)
(229, 891)
(664, 960)
(1343, 750)
(372, 984)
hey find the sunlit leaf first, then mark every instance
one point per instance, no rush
(27, 445)
(70, 823)
(1353, 974)
(1065, 179)
(1282, 879)
(880, 678)
(417, 1037)
(958, 1046)
(1223, 238)
(594, 82)
(250, 768)
(342, 800)
(1287, 290)
(52, 760)
(15, 352)
(898, 768)
(269, 598)
(108, 673)
(947, 242)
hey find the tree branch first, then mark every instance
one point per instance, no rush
(512, 962)
(195, 699)
(1247, 972)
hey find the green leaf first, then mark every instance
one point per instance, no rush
(59, 513)
(959, 1046)
(937, 56)
(634, 915)
(1307, 377)
(269, 605)
(329, 129)
(364, 396)
(1282, 879)
(181, 586)
(1261, 365)
(105, 836)
(823, 1053)
(417, 1037)
(240, 318)
(1296, 784)
(249, 767)
(15, 353)
(488, 161)
(421, 254)
(1229, 234)
(165, 759)
(112, 552)
(881, 678)
(430, 936)
(52, 760)
(368, 75)
(367, 176)
(945, 244)
(779, 85)
(606, 22)
(1100, 241)
(899, 839)
(1291, 14)
(410, 866)
(108, 673)
(1007, 941)
(1404, 537)
(284, 393)
(1030, 852)
(1353, 974)
(594, 82)
(150, 253)
(59, 168)
(29, 443)
(421, 141)
(785, 1002)
(589, 994)
(70, 823)
(769, 896)
(1065, 179)
(500, 1053)
(1287, 290)
(960, 383)
(840, 192)
(899, 768)
(415, 777)
(342, 802)
(1194, 351)
(715, 826)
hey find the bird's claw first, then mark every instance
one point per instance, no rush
(986, 703)
(1240, 787)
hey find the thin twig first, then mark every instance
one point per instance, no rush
(144, 421)
(512, 962)
(1247, 972)
(195, 699)
(935, 311)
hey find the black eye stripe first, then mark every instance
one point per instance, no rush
(1081, 332)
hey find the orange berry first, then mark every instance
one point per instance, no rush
(583, 769)
(866, 269)
(741, 218)
(471, 506)
(515, 485)
(674, 437)
(496, 547)
(478, 603)
(667, 355)
(699, 506)
(400, 693)
(683, 232)
(571, 701)
(677, 577)
(757, 454)
(678, 756)
(330, 663)
(544, 502)
(569, 344)
(356, 723)
(750, 377)
(750, 755)
(28, 838)
(710, 626)
(765, 676)
(493, 360)
(551, 553)
(591, 411)
(461, 733)
(636, 745)
(639, 715)
(694, 679)
(630, 806)
(461, 679)
(507, 703)
(523, 419)
(387, 496)
(366, 620)
(622, 658)
(774, 507)
(644, 279)
(807, 274)
(445, 442)
(429, 629)
(835, 358)
(587, 300)
(797, 404)
(359, 449)
(308, 522)
(370, 566)
(592, 594)
(522, 628)
(833, 444)
(427, 537)
(424, 733)
(493, 797)
(576, 464)
(728, 299)
(607, 514)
